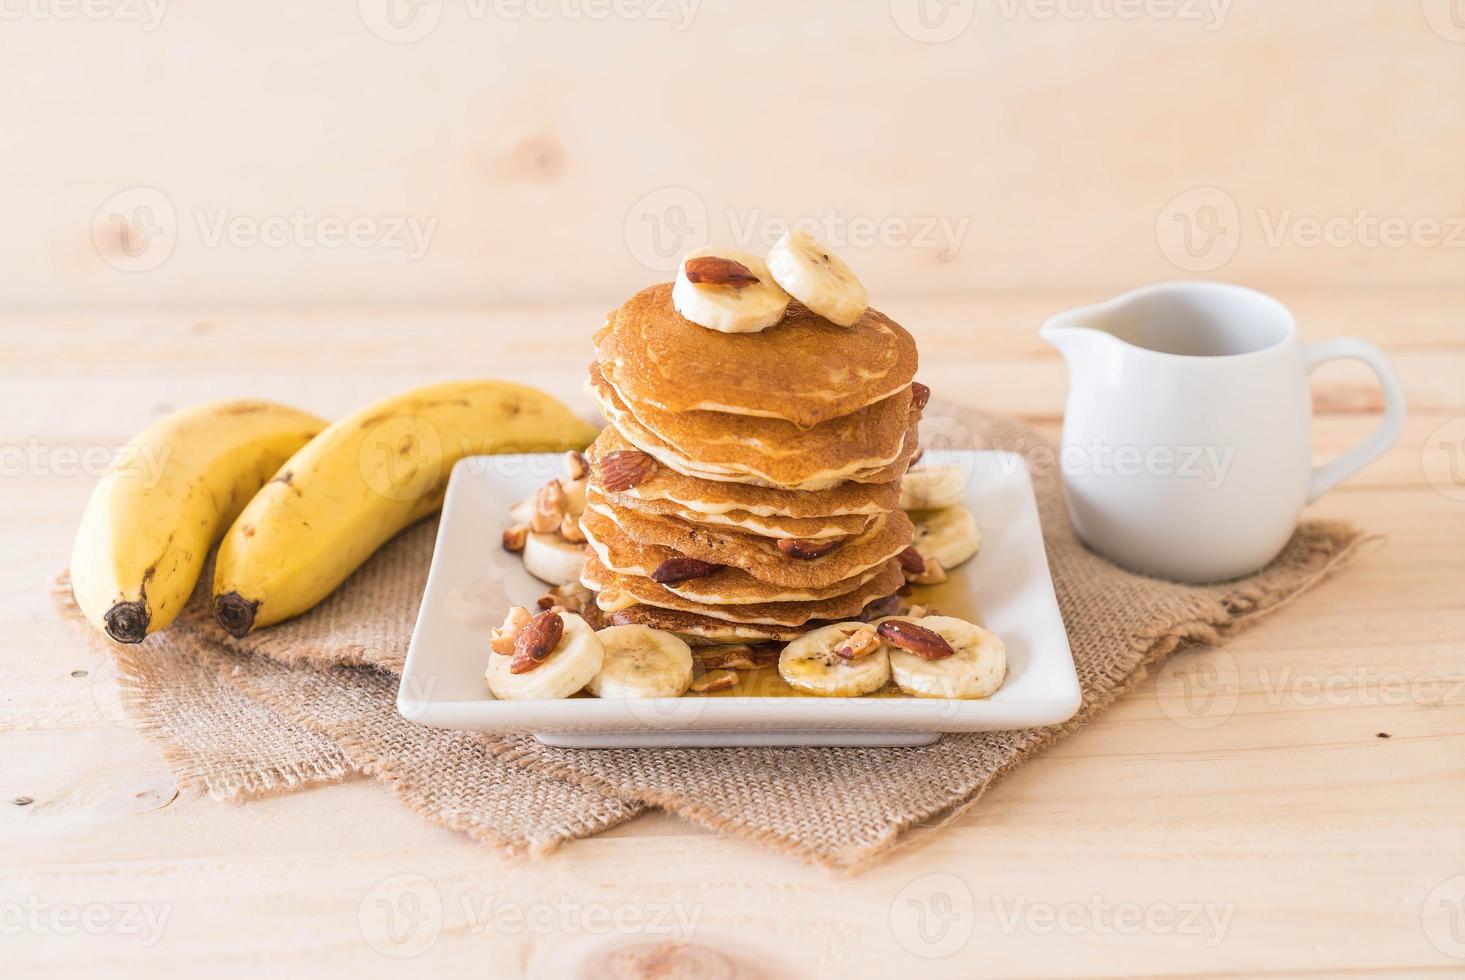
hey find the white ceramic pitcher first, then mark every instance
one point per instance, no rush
(1187, 438)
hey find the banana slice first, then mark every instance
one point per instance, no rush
(576, 659)
(641, 662)
(811, 666)
(812, 274)
(976, 670)
(522, 512)
(929, 487)
(949, 535)
(550, 558)
(712, 292)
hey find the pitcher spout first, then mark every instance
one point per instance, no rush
(1074, 333)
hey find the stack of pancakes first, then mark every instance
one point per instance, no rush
(748, 486)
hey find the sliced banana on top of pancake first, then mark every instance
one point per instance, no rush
(641, 662)
(929, 487)
(727, 290)
(948, 535)
(974, 668)
(844, 660)
(566, 668)
(812, 274)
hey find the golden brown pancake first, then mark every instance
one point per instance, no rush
(809, 528)
(773, 451)
(598, 578)
(716, 496)
(726, 586)
(792, 473)
(698, 630)
(805, 369)
(760, 557)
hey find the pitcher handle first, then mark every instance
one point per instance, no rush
(1329, 475)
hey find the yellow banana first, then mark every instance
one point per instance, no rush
(171, 493)
(362, 480)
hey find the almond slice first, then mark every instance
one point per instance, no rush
(620, 471)
(924, 643)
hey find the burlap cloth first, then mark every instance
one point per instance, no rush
(312, 701)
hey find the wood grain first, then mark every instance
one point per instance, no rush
(1045, 145)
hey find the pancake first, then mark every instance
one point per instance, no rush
(805, 369)
(698, 630)
(760, 557)
(808, 473)
(712, 497)
(727, 586)
(807, 528)
(775, 451)
(602, 580)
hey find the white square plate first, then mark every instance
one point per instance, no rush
(1006, 587)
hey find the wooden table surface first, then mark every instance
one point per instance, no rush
(1312, 822)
